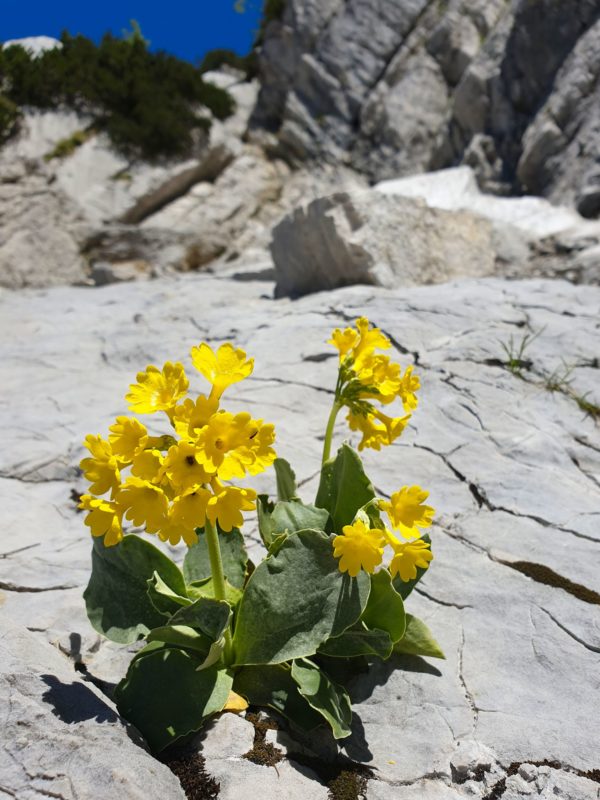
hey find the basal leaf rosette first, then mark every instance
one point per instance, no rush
(169, 485)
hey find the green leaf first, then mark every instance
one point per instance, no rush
(163, 598)
(327, 698)
(116, 597)
(385, 609)
(181, 636)
(196, 564)
(277, 543)
(264, 509)
(286, 480)
(289, 517)
(166, 697)
(272, 686)
(206, 588)
(405, 588)
(418, 640)
(295, 601)
(208, 616)
(359, 641)
(344, 487)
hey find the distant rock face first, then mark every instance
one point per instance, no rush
(405, 87)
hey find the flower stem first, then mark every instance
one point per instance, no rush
(329, 431)
(218, 577)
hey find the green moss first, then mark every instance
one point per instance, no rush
(146, 102)
(66, 147)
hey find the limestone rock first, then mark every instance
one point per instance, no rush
(40, 234)
(61, 737)
(513, 470)
(401, 88)
(369, 238)
(154, 250)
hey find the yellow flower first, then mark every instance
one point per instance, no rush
(144, 503)
(102, 469)
(359, 547)
(371, 339)
(383, 376)
(173, 530)
(261, 449)
(344, 340)
(104, 519)
(222, 368)
(224, 444)
(407, 511)
(128, 437)
(408, 556)
(189, 509)
(409, 385)
(148, 465)
(227, 504)
(157, 390)
(192, 415)
(182, 466)
(377, 428)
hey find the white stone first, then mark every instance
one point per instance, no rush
(35, 45)
(456, 189)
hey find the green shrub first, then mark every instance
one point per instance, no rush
(146, 102)
(9, 115)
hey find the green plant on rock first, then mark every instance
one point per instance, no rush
(221, 632)
(9, 117)
(146, 102)
(515, 351)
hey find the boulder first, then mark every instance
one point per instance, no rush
(367, 237)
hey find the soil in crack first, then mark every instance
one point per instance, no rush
(263, 752)
(195, 781)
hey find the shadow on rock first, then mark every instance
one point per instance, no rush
(363, 686)
(74, 702)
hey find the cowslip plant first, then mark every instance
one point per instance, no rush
(221, 632)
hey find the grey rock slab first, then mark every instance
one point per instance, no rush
(424, 790)
(511, 468)
(61, 737)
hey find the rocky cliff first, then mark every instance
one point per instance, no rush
(397, 88)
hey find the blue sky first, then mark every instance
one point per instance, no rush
(187, 29)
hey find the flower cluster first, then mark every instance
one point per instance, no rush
(366, 375)
(176, 481)
(362, 546)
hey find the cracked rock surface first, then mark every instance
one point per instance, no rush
(513, 469)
